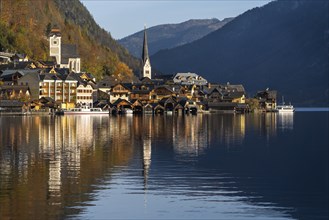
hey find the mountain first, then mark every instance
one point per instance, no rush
(171, 35)
(24, 28)
(282, 45)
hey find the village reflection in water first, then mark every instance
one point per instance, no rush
(51, 164)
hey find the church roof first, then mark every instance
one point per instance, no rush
(55, 31)
(145, 53)
(68, 51)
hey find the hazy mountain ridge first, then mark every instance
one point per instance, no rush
(283, 45)
(172, 35)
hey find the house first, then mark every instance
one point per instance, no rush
(105, 85)
(215, 95)
(168, 103)
(120, 91)
(121, 105)
(86, 89)
(11, 76)
(15, 106)
(5, 57)
(267, 99)
(15, 92)
(189, 106)
(141, 92)
(189, 79)
(86, 93)
(161, 92)
(20, 58)
(45, 64)
(227, 98)
(137, 106)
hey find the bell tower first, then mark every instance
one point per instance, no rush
(146, 72)
(55, 44)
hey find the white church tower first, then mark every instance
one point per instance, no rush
(146, 72)
(55, 43)
(66, 55)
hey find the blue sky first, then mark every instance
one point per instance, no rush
(124, 17)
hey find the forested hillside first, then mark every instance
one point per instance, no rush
(283, 46)
(25, 24)
(171, 35)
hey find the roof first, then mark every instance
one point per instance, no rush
(268, 94)
(68, 51)
(121, 100)
(189, 79)
(107, 82)
(20, 56)
(233, 88)
(145, 53)
(11, 103)
(11, 72)
(19, 65)
(55, 31)
(165, 87)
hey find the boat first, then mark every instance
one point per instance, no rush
(285, 108)
(84, 111)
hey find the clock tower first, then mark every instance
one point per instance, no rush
(55, 38)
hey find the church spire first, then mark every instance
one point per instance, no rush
(145, 58)
(145, 54)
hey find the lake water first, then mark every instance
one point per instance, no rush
(220, 166)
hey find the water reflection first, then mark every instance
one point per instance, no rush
(286, 120)
(53, 167)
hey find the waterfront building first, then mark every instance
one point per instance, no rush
(14, 92)
(267, 99)
(141, 92)
(85, 94)
(161, 92)
(146, 63)
(226, 98)
(60, 87)
(119, 91)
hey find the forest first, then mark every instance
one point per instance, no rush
(25, 26)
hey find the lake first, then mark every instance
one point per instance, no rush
(211, 166)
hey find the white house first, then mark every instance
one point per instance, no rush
(189, 79)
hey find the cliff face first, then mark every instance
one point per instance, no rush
(172, 35)
(25, 25)
(282, 45)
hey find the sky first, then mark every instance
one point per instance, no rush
(125, 17)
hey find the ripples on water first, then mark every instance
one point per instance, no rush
(266, 166)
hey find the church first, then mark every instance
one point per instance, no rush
(146, 63)
(66, 55)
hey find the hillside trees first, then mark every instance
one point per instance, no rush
(25, 26)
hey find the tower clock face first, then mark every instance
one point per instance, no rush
(55, 41)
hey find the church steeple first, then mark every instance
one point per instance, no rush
(145, 58)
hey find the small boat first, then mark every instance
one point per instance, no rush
(85, 111)
(285, 108)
